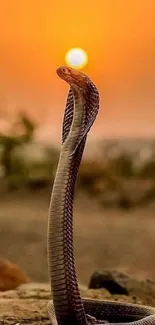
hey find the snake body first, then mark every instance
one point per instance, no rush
(67, 307)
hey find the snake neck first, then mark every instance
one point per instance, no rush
(66, 296)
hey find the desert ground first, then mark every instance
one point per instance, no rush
(104, 238)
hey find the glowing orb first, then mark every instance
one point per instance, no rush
(76, 58)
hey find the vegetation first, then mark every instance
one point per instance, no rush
(113, 180)
(17, 170)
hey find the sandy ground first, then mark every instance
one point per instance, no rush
(124, 240)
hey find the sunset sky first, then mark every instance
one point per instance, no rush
(119, 38)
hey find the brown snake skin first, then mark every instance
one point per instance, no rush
(67, 307)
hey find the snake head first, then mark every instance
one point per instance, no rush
(73, 77)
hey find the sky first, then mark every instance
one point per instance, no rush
(119, 38)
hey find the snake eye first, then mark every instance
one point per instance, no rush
(64, 70)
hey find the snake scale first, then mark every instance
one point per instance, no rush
(67, 307)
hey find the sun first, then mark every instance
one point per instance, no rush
(76, 58)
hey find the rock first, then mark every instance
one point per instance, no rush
(113, 281)
(11, 276)
(117, 282)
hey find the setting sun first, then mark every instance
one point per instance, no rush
(76, 58)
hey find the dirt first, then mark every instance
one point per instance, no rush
(104, 238)
(28, 304)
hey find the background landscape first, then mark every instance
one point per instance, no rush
(115, 194)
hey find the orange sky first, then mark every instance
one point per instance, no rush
(119, 37)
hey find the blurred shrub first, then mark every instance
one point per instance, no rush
(22, 132)
(148, 170)
(8, 144)
(24, 162)
(121, 166)
(89, 173)
(105, 174)
(113, 179)
(115, 182)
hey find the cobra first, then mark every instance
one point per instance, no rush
(67, 307)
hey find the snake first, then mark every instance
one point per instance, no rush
(66, 306)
